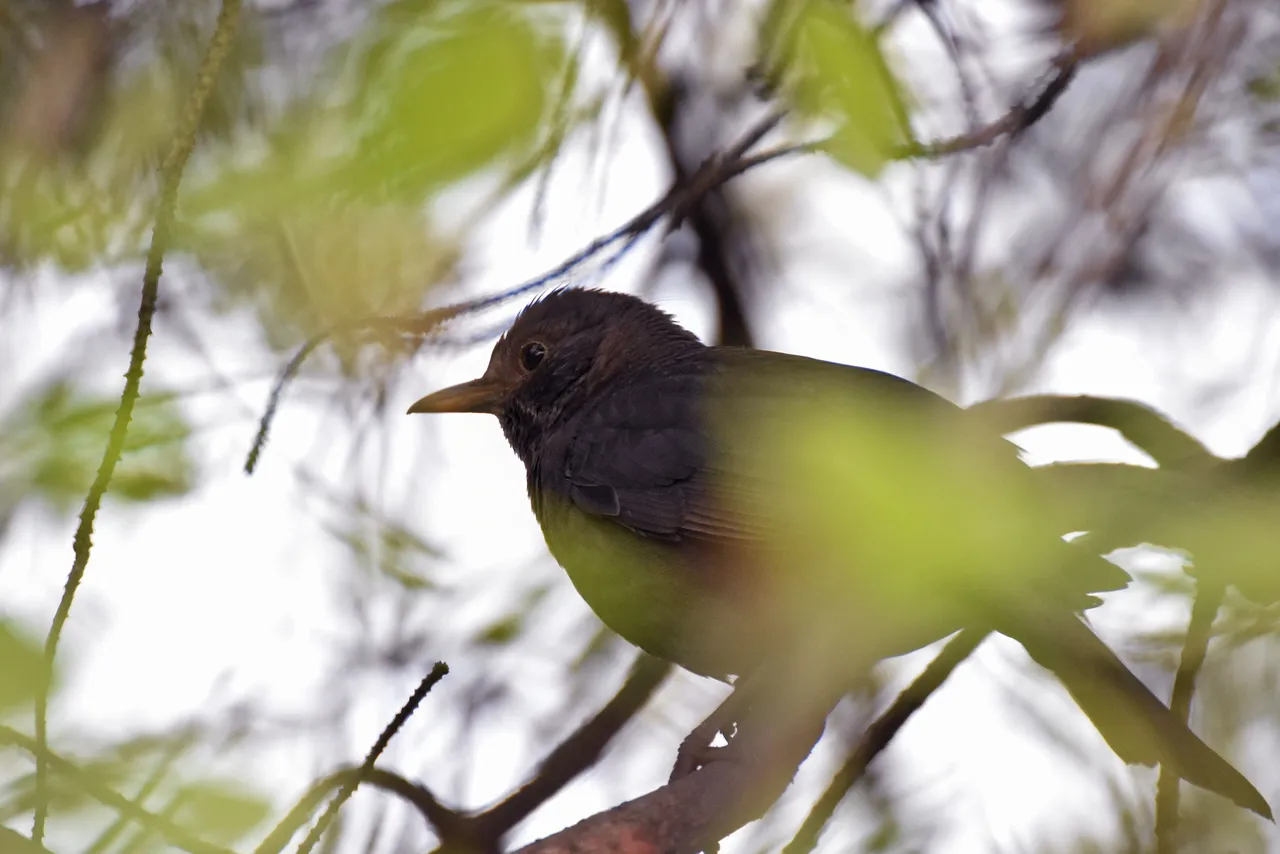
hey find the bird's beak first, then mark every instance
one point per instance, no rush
(479, 395)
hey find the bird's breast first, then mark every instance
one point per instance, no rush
(649, 591)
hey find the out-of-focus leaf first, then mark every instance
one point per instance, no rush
(220, 812)
(21, 663)
(502, 631)
(1099, 25)
(512, 625)
(384, 546)
(832, 68)
(894, 517)
(77, 167)
(438, 92)
(52, 443)
(327, 265)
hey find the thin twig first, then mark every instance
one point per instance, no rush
(1204, 609)
(170, 177)
(175, 835)
(880, 733)
(440, 817)
(1012, 124)
(428, 682)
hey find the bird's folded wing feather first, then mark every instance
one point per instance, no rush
(647, 456)
(643, 457)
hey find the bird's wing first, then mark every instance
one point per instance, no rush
(643, 456)
(648, 456)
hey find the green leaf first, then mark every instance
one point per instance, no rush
(53, 444)
(21, 664)
(220, 812)
(433, 93)
(833, 69)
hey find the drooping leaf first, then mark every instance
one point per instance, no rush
(52, 445)
(219, 811)
(833, 69)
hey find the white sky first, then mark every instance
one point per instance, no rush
(233, 589)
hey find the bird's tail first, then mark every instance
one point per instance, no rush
(1138, 727)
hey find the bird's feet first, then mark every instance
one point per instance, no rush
(697, 750)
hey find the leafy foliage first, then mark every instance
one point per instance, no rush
(833, 69)
(51, 444)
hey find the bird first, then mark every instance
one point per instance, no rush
(716, 505)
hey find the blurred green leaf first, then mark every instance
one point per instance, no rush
(20, 667)
(52, 443)
(328, 264)
(833, 69)
(87, 126)
(432, 93)
(502, 631)
(218, 811)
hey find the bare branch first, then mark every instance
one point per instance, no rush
(172, 833)
(1011, 124)
(1140, 424)
(170, 177)
(438, 672)
(1199, 630)
(441, 818)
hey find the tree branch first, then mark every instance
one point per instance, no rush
(170, 177)
(1140, 424)
(1204, 609)
(172, 833)
(438, 672)
(438, 815)
(696, 811)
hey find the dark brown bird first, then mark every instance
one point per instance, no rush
(715, 505)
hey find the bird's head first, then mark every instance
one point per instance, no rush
(560, 350)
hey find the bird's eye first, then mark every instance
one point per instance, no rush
(532, 354)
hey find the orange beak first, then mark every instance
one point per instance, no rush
(481, 395)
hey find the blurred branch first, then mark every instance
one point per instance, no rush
(16, 843)
(1140, 424)
(174, 834)
(880, 733)
(438, 672)
(710, 217)
(1204, 609)
(158, 775)
(170, 177)
(1017, 121)
(426, 803)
